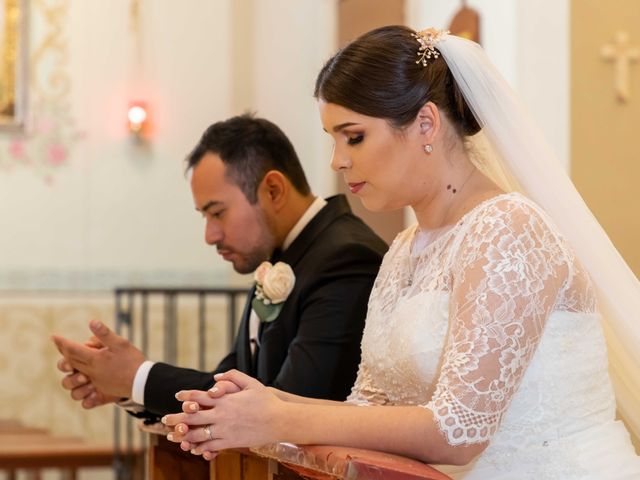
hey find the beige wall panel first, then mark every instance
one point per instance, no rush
(31, 391)
(605, 163)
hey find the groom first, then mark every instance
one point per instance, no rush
(249, 185)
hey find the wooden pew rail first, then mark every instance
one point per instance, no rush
(284, 461)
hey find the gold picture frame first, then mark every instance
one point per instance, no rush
(13, 64)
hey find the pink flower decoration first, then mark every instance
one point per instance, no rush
(16, 148)
(57, 154)
(45, 126)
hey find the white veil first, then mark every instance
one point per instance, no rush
(526, 161)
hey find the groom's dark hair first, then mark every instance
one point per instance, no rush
(250, 147)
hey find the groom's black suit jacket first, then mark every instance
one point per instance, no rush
(313, 347)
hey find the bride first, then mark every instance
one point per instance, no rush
(484, 348)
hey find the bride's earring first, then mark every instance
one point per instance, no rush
(428, 148)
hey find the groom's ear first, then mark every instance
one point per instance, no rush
(274, 191)
(428, 119)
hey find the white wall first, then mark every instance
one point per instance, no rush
(543, 69)
(119, 212)
(293, 40)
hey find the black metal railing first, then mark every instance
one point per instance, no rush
(133, 319)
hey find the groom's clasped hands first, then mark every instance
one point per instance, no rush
(238, 411)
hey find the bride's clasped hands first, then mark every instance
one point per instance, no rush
(238, 411)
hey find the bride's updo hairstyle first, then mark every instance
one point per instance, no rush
(377, 75)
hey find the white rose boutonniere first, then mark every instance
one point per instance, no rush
(273, 285)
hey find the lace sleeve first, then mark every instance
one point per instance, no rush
(364, 391)
(506, 279)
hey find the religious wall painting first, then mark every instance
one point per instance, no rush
(41, 133)
(13, 62)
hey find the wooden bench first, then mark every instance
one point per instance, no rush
(33, 449)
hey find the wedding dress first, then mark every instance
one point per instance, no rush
(492, 325)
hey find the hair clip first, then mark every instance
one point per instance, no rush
(428, 39)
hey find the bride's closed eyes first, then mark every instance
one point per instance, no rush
(355, 139)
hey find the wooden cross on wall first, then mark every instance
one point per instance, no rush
(623, 56)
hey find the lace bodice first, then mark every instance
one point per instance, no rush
(493, 327)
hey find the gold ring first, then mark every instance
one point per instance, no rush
(208, 431)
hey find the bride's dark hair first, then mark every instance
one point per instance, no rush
(377, 75)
